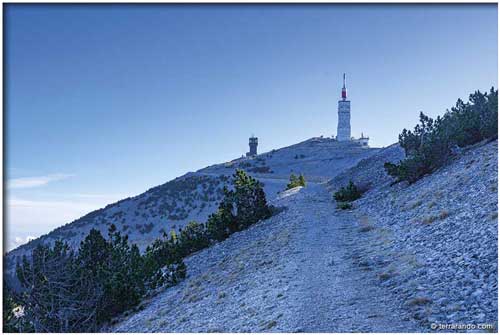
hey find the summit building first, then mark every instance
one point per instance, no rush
(344, 124)
(344, 121)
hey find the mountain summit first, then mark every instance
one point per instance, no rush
(195, 195)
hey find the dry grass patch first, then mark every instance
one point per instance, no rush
(444, 214)
(183, 319)
(415, 204)
(270, 324)
(366, 228)
(433, 217)
(411, 260)
(385, 276)
(344, 205)
(429, 219)
(463, 179)
(469, 163)
(215, 330)
(494, 215)
(419, 301)
(195, 283)
(364, 219)
(194, 298)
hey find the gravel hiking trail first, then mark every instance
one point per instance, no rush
(335, 290)
(299, 271)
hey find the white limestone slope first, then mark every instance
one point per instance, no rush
(196, 195)
(405, 259)
(295, 272)
(437, 239)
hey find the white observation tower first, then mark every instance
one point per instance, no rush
(344, 125)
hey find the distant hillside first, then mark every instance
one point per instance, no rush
(369, 173)
(195, 195)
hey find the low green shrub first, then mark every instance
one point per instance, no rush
(344, 205)
(296, 181)
(348, 193)
(432, 142)
(67, 291)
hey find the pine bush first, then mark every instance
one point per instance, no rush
(64, 291)
(348, 193)
(296, 181)
(430, 145)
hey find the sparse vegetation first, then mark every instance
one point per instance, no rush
(444, 214)
(432, 142)
(418, 301)
(344, 205)
(429, 219)
(64, 291)
(415, 204)
(385, 276)
(67, 291)
(270, 324)
(11, 306)
(366, 228)
(346, 195)
(147, 228)
(260, 169)
(432, 218)
(296, 181)
(187, 191)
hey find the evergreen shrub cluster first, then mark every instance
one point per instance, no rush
(346, 195)
(296, 181)
(67, 291)
(432, 142)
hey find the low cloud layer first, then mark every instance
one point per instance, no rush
(28, 218)
(30, 182)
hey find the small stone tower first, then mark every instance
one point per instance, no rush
(344, 125)
(252, 142)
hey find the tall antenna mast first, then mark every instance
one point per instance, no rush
(344, 90)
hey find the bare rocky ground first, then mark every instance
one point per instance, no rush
(297, 272)
(437, 239)
(406, 257)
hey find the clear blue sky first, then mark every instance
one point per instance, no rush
(105, 101)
